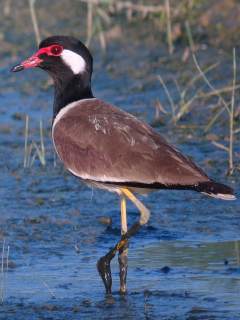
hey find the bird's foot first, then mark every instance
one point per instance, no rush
(104, 269)
(123, 265)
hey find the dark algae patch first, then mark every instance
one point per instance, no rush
(185, 263)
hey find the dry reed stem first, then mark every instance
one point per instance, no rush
(169, 27)
(49, 290)
(122, 5)
(214, 119)
(220, 146)
(173, 106)
(2, 272)
(201, 72)
(42, 147)
(209, 94)
(89, 22)
(34, 20)
(7, 265)
(209, 84)
(102, 40)
(29, 148)
(231, 117)
(229, 109)
(29, 155)
(145, 9)
(103, 14)
(26, 141)
(189, 36)
(216, 92)
(185, 107)
(7, 8)
(197, 77)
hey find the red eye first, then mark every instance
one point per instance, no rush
(56, 50)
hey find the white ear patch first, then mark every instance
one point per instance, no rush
(74, 61)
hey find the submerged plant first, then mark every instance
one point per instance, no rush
(32, 150)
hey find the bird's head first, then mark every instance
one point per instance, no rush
(62, 57)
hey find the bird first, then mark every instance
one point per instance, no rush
(109, 148)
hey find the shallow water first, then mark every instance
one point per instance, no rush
(184, 265)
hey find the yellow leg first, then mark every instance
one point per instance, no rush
(123, 252)
(123, 215)
(144, 212)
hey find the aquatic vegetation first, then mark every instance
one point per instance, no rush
(187, 98)
(33, 150)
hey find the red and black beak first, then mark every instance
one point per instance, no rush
(33, 61)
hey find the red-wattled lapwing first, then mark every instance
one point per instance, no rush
(109, 148)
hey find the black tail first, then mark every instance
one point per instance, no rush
(216, 190)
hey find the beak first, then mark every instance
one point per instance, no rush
(33, 61)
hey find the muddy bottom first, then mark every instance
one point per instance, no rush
(167, 279)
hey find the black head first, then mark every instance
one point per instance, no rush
(69, 63)
(62, 57)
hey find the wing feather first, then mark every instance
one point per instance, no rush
(100, 142)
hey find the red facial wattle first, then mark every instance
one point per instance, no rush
(54, 50)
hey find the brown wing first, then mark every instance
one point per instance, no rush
(99, 142)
